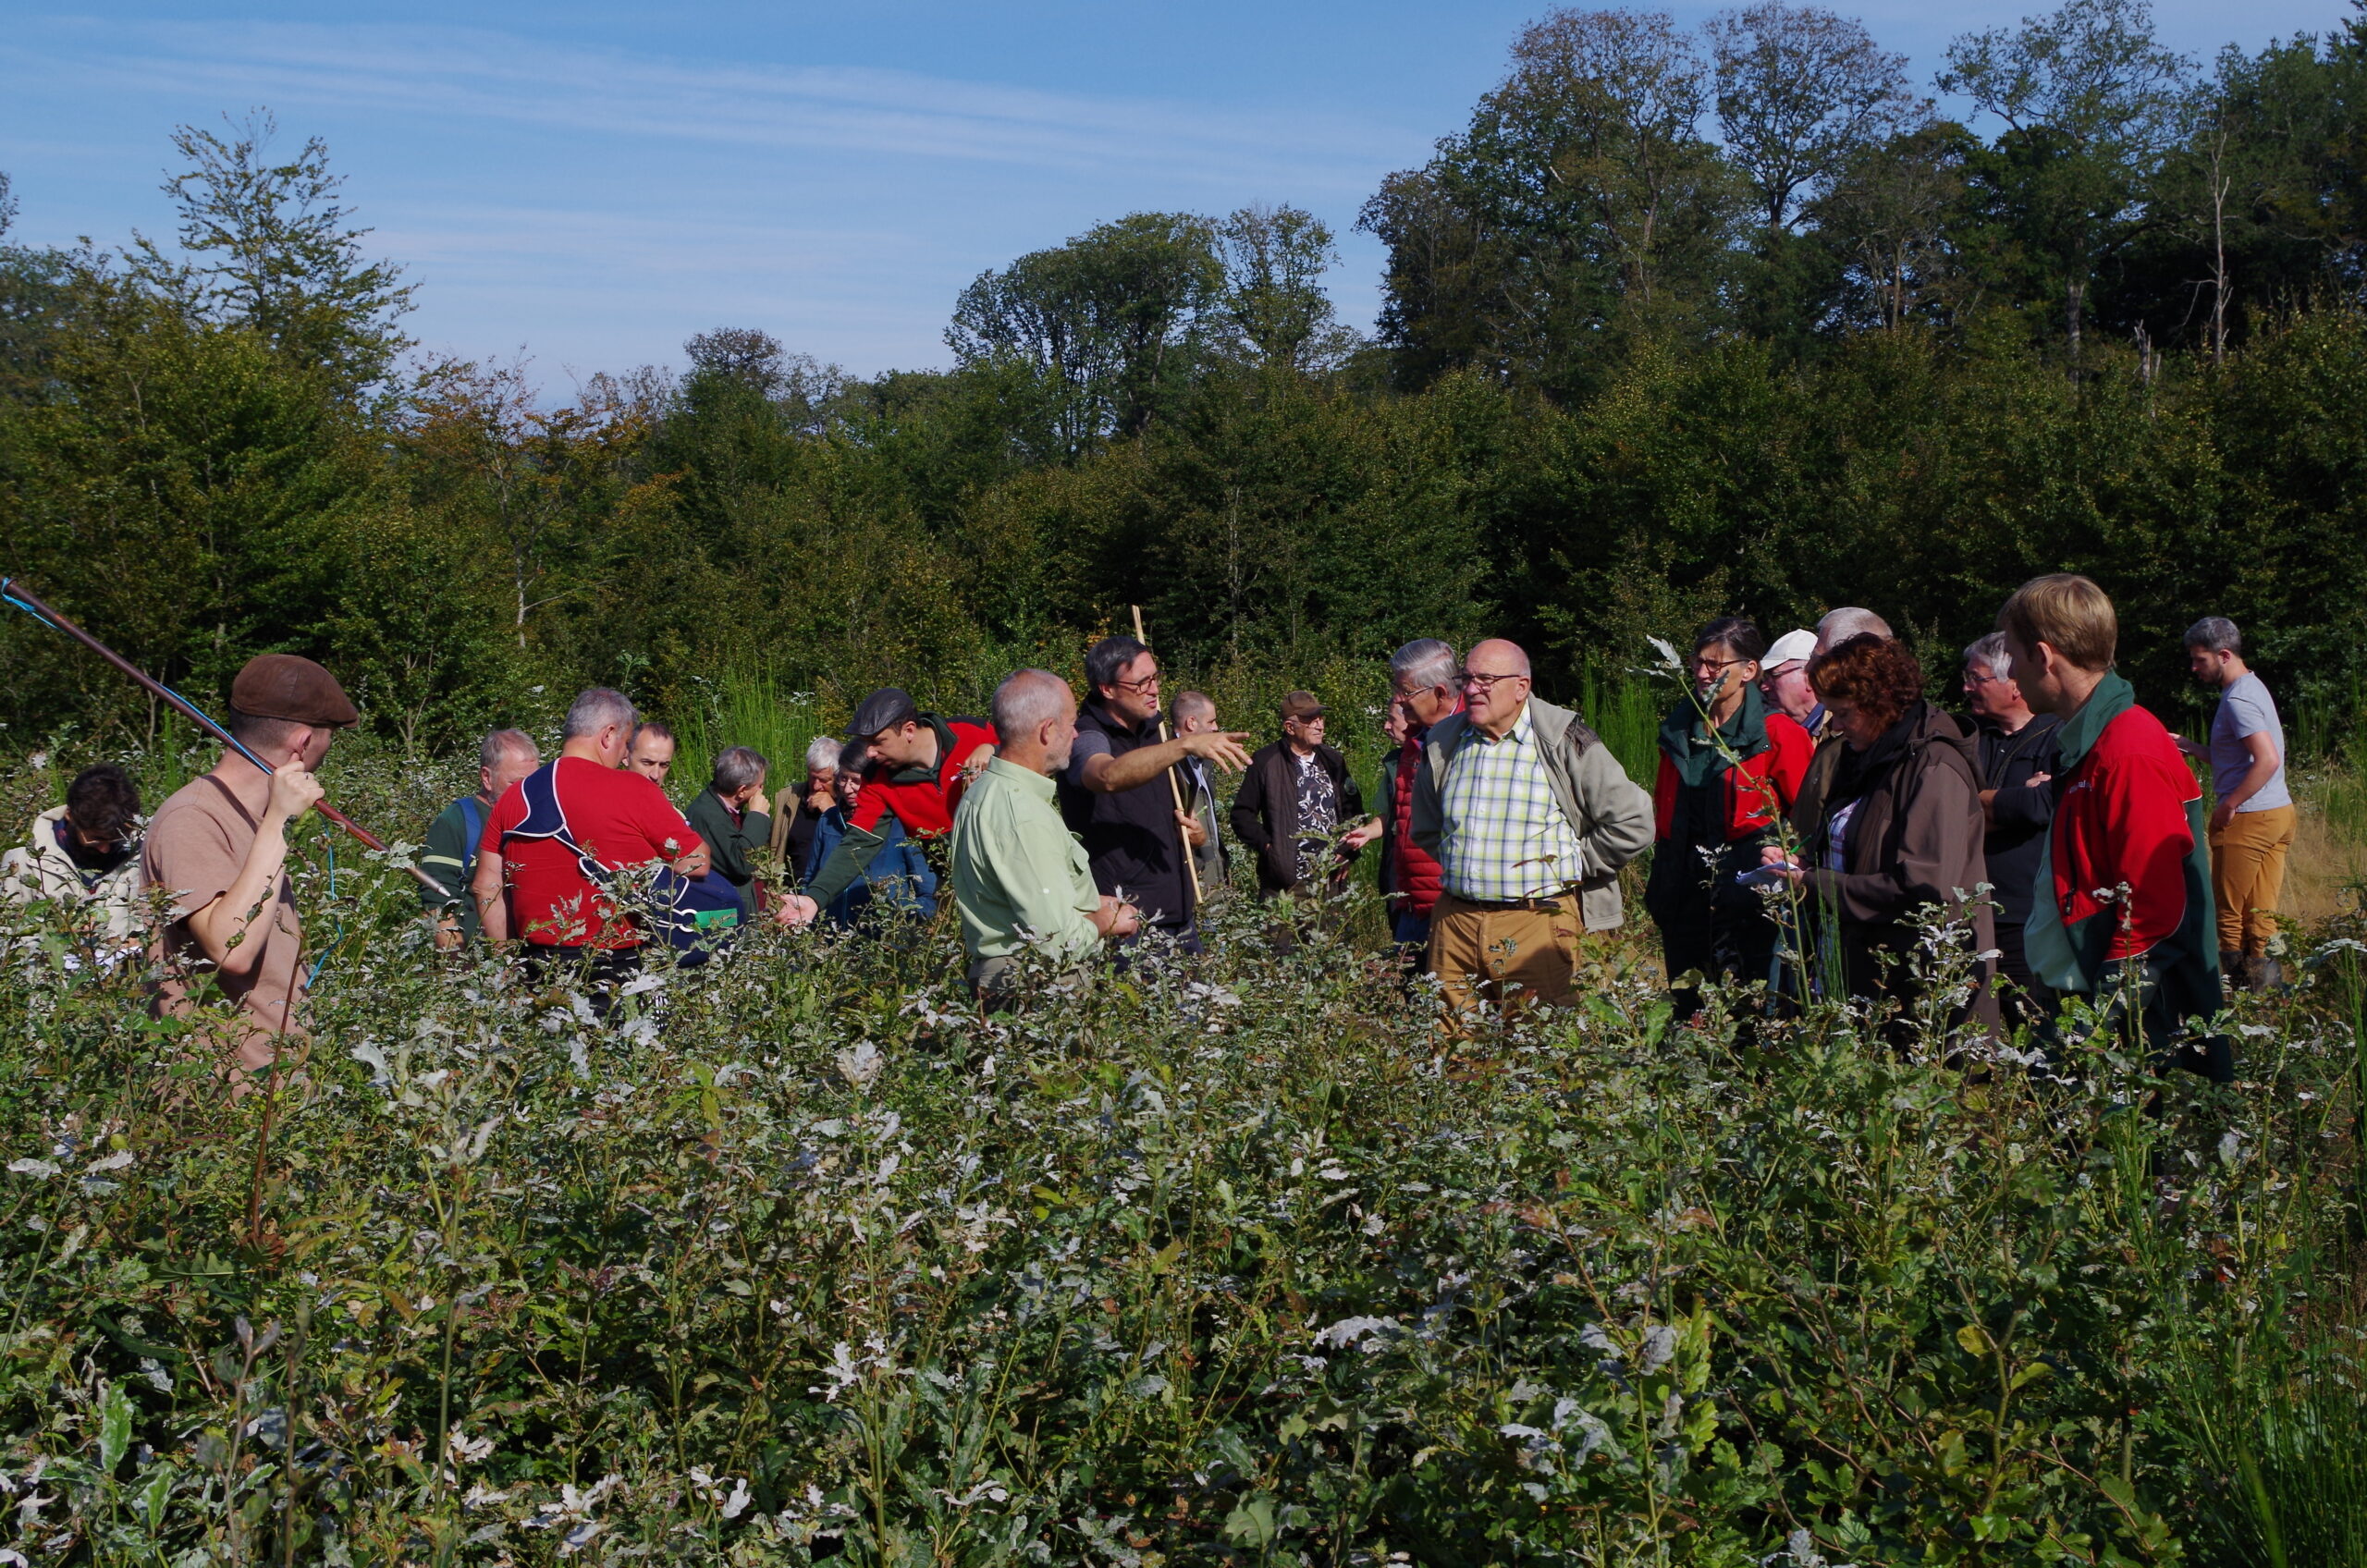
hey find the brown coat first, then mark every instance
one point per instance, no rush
(1914, 840)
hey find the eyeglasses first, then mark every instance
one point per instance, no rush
(1972, 679)
(1700, 663)
(1145, 684)
(1475, 678)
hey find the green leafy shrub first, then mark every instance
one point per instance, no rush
(801, 1258)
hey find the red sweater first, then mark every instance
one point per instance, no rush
(1763, 788)
(2120, 817)
(922, 798)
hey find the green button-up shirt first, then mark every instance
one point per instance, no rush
(1502, 833)
(1020, 877)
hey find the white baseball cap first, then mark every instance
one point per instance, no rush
(1792, 646)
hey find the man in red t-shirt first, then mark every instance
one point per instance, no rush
(535, 890)
(2124, 889)
(919, 765)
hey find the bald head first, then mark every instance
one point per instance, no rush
(1495, 686)
(1497, 655)
(1035, 715)
(1839, 626)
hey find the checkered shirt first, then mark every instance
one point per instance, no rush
(1502, 833)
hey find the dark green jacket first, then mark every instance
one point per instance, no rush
(450, 855)
(731, 842)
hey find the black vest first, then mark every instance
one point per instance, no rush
(1131, 838)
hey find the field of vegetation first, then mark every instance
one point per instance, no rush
(1235, 1263)
(1230, 1264)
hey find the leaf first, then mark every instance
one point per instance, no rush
(1252, 1523)
(115, 1427)
(1976, 1340)
(154, 1494)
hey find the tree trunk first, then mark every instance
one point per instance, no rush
(2219, 251)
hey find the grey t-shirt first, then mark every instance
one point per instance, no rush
(2246, 708)
(1090, 743)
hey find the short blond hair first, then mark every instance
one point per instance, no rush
(2068, 613)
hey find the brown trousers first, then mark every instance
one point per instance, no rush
(2248, 876)
(1480, 955)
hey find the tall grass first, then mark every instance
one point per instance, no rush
(746, 708)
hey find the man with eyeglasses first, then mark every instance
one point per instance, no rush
(1530, 816)
(1116, 793)
(2018, 762)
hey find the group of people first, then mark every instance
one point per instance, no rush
(1813, 803)
(1811, 808)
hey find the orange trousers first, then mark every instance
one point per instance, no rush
(2248, 876)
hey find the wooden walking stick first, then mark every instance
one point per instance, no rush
(14, 591)
(1174, 790)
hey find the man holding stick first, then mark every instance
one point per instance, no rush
(1120, 793)
(219, 849)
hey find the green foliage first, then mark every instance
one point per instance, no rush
(800, 1257)
(1627, 378)
(269, 249)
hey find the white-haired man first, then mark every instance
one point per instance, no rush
(804, 808)
(1020, 879)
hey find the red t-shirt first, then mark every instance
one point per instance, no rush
(923, 803)
(619, 817)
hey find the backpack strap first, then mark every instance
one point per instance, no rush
(473, 833)
(546, 818)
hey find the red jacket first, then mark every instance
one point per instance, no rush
(2121, 816)
(923, 798)
(1420, 877)
(1757, 792)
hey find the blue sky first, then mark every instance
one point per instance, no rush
(594, 182)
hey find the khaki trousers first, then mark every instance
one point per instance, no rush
(2248, 876)
(1481, 953)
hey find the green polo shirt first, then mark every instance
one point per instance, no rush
(1020, 877)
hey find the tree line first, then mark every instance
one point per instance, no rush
(1677, 324)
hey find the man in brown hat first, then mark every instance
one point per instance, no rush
(1294, 802)
(219, 849)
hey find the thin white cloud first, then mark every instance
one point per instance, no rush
(475, 74)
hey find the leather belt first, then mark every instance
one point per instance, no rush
(1539, 902)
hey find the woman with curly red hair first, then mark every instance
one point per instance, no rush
(1900, 828)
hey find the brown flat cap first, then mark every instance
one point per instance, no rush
(1302, 705)
(290, 687)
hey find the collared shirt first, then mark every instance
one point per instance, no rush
(1020, 877)
(1502, 833)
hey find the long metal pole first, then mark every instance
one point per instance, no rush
(1175, 790)
(15, 589)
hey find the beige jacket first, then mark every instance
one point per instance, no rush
(40, 868)
(1612, 813)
